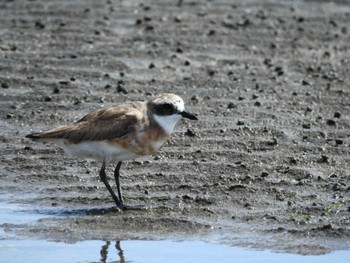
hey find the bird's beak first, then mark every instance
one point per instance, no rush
(188, 115)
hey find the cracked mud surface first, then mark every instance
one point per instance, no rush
(267, 164)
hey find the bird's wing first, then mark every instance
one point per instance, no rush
(104, 124)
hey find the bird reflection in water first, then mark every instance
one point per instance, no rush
(104, 252)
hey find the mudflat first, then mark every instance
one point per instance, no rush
(267, 164)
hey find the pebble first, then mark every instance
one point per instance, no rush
(264, 174)
(306, 125)
(48, 98)
(337, 115)
(273, 142)
(326, 54)
(39, 25)
(300, 19)
(273, 45)
(267, 62)
(290, 203)
(151, 66)
(344, 30)
(249, 206)
(325, 227)
(305, 83)
(177, 19)
(279, 70)
(240, 123)
(308, 109)
(333, 175)
(149, 28)
(229, 24)
(211, 32)
(120, 88)
(257, 103)
(63, 82)
(280, 197)
(339, 142)
(333, 23)
(331, 122)
(147, 18)
(244, 22)
(195, 98)
(190, 133)
(187, 197)
(179, 50)
(231, 105)
(211, 72)
(336, 187)
(293, 161)
(4, 85)
(324, 159)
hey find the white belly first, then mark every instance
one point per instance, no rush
(98, 150)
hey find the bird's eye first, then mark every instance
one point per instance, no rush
(167, 106)
(165, 109)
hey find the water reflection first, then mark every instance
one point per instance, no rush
(104, 252)
(96, 251)
(171, 252)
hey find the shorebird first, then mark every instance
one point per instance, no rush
(120, 133)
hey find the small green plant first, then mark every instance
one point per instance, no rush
(333, 208)
(307, 217)
(301, 217)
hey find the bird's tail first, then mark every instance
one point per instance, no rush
(33, 136)
(56, 133)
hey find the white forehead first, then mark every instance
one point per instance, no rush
(170, 98)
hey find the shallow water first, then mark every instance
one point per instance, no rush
(14, 250)
(146, 251)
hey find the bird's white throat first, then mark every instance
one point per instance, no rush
(167, 122)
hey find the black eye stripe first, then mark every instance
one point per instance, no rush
(165, 109)
(167, 106)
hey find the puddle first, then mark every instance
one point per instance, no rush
(146, 251)
(13, 249)
(14, 214)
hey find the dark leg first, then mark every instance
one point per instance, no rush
(103, 178)
(116, 176)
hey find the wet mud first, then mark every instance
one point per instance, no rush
(266, 165)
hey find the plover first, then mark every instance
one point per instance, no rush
(120, 133)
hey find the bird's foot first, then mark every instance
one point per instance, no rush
(124, 207)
